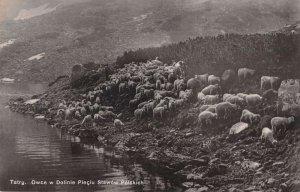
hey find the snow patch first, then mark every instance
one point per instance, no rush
(36, 57)
(31, 101)
(7, 80)
(7, 43)
(29, 13)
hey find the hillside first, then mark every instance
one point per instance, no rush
(74, 32)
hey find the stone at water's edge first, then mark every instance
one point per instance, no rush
(289, 96)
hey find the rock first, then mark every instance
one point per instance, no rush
(31, 101)
(187, 184)
(39, 117)
(238, 128)
(278, 163)
(271, 181)
(250, 165)
(233, 189)
(202, 189)
(199, 162)
(289, 97)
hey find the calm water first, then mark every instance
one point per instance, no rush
(32, 150)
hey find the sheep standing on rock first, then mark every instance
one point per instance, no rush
(248, 116)
(281, 122)
(267, 135)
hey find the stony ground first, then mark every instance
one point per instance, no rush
(201, 160)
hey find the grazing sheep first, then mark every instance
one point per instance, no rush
(87, 120)
(245, 74)
(212, 80)
(268, 82)
(98, 100)
(200, 97)
(242, 95)
(211, 90)
(235, 100)
(248, 116)
(202, 78)
(193, 84)
(133, 104)
(159, 112)
(139, 113)
(253, 100)
(281, 122)
(225, 109)
(227, 95)
(267, 135)
(204, 107)
(211, 99)
(118, 123)
(206, 118)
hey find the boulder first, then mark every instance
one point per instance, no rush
(289, 97)
(78, 71)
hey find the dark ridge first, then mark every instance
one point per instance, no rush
(270, 54)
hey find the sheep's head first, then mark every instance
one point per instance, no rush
(291, 119)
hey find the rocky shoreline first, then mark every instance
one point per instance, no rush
(200, 160)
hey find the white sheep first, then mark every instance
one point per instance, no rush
(267, 134)
(253, 100)
(211, 99)
(118, 123)
(278, 122)
(207, 118)
(249, 116)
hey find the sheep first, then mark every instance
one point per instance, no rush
(235, 100)
(249, 116)
(158, 84)
(204, 107)
(224, 109)
(200, 97)
(186, 95)
(227, 95)
(169, 86)
(253, 100)
(245, 74)
(212, 80)
(281, 122)
(159, 112)
(211, 99)
(171, 77)
(149, 107)
(98, 100)
(242, 95)
(268, 82)
(193, 84)
(179, 85)
(211, 90)
(118, 123)
(139, 113)
(268, 135)
(87, 120)
(83, 111)
(206, 118)
(133, 104)
(179, 103)
(202, 78)
(141, 105)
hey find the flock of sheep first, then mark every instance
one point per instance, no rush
(158, 90)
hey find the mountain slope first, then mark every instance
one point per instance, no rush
(75, 32)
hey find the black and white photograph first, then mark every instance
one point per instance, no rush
(150, 95)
